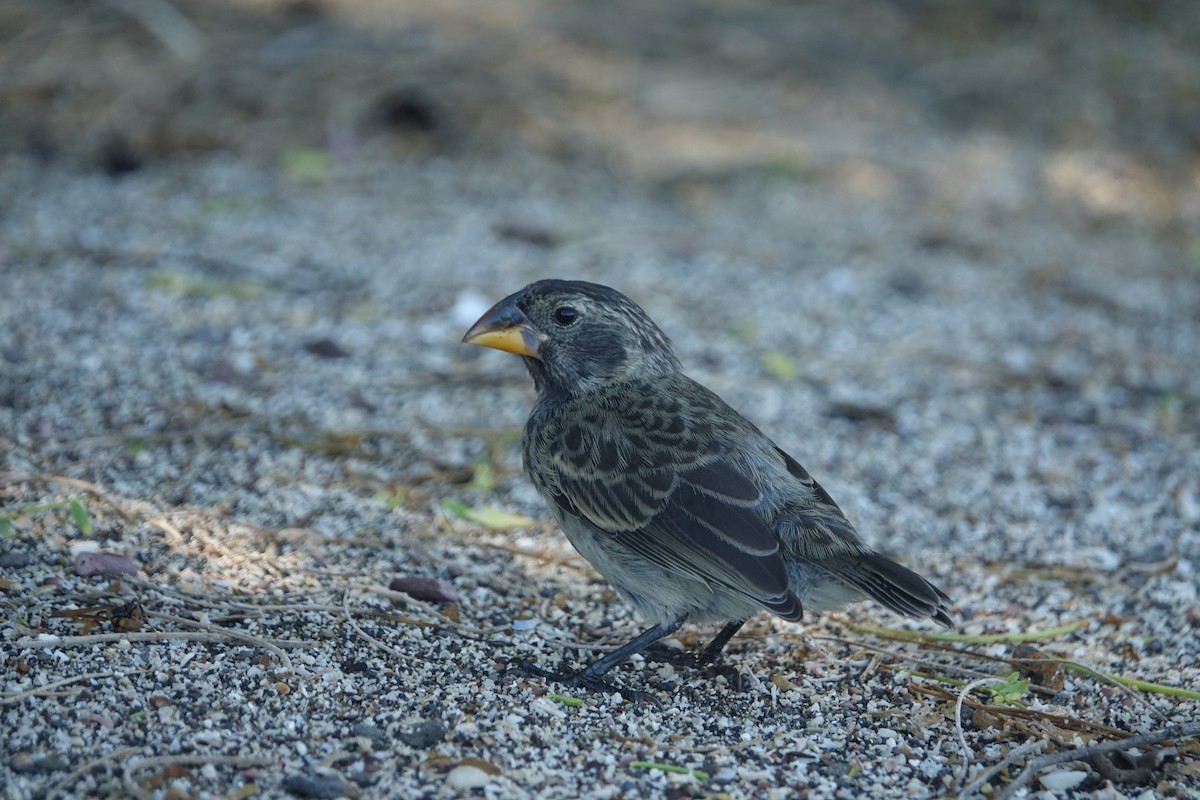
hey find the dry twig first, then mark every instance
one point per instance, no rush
(160, 636)
(11, 698)
(1084, 753)
(989, 773)
(968, 754)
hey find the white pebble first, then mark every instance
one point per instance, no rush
(465, 776)
(1062, 780)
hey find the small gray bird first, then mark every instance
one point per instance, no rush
(683, 505)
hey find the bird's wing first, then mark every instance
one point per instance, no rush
(658, 488)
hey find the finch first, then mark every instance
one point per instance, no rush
(686, 508)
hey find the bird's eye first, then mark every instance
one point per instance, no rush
(565, 315)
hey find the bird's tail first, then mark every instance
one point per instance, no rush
(895, 586)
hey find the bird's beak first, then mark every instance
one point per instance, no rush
(505, 327)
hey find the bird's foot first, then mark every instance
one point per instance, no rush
(707, 663)
(582, 680)
(687, 659)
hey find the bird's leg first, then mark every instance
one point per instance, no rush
(712, 650)
(591, 677)
(706, 657)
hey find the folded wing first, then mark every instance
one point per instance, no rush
(693, 514)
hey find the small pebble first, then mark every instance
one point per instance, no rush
(1062, 780)
(424, 734)
(317, 787)
(466, 776)
(371, 732)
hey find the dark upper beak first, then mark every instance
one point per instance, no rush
(505, 327)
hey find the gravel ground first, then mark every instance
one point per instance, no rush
(236, 422)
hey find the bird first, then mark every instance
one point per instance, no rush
(689, 511)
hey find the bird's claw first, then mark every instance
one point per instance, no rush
(685, 659)
(706, 663)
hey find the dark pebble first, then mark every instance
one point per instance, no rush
(408, 109)
(529, 234)
(424, 734)
(14, 559)
(368, 731)
(326, 348)
(313, 785)
(118, 157)
(433, 590)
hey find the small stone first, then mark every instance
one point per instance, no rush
(725, 775)
(430, 589)
(314, 786)
(14, 559)
(368, 732)
(783, 683)
(91, 562)
(326, 348)
(424, 734)
(466, 776)
(1062, 780)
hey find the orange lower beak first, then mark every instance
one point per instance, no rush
(505, 327)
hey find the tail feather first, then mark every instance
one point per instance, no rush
(895, 586)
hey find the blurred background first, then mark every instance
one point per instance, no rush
(1098, 104)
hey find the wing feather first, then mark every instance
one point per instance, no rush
(691, 511)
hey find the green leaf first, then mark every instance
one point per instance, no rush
(781, 366)
(1011, 690)
(80, 515)
(1133, 683)
(566, 700)
(496, 519)
(307, 164)
(6, 529)
(456, 508)
(392, 500)
(483, 475)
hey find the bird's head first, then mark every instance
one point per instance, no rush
(575, 336)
